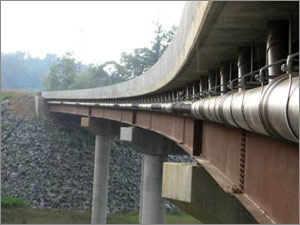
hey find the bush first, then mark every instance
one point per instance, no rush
(10, 202)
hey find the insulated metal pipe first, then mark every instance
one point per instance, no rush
(277, 44)
(272, 110)
(244, 60)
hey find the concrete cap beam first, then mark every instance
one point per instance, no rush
(149, 142)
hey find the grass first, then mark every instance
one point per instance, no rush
(47, 216)
(5, 96)
(17, 211)
(10, 202)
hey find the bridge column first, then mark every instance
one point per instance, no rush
(153, 205)
(101, 168)
(155, 149)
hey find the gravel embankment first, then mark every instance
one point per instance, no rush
(49, 163)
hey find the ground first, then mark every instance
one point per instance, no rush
(47, 216)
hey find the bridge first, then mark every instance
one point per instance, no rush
(225, 92)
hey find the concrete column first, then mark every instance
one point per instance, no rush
(41, 108)
(153, 205)
(101, 173)
(141, 189)
(155, 149)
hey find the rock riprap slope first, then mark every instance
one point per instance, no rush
(49, 162)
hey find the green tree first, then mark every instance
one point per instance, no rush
(51, 81)
(81, 81)
(62, 73)
(67, 70)
(141, 59)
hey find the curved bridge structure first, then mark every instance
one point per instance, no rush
(226, 91)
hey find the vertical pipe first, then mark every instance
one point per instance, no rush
(224, 76)
(201, 86)
(211, 80)
(290, 33)
(243, 64)
(205, 83)
(153, 205)
(101, 169)
(252, 60)
(277, 44)
(217, 82)
(193, 91)
(230, 70)
(187, 92)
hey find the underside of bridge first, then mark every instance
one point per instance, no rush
(226, 91)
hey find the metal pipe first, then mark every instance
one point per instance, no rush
(217, 82)
(202, 85)
(263, 112)
(224, 76)
(195, 90)
(243, 65)
(277, 44)
(289, 62)
(272, 109)
(290, 33)
(187, 92)
(211, 80)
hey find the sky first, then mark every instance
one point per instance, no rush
(94, 31)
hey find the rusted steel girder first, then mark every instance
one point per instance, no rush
(265, 169)
(182, 130)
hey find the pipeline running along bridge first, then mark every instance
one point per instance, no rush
(226, 92)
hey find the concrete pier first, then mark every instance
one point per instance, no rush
(155, 149)
(101, 173)
(102, 129)
(153, 205)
